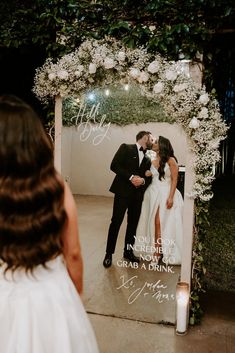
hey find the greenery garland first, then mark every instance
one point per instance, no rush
(101, 63)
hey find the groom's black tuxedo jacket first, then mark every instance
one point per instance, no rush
(125, 164)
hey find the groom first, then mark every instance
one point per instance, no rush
(129, 185)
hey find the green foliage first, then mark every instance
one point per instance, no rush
(37, 22)
(195, 309)
(219, 246)
(213, 249)
(179, 26)
(123, 107)
(201, 217)
(198, 263)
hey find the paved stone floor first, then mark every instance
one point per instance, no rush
(130, 323)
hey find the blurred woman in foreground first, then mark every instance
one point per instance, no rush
(40, 256)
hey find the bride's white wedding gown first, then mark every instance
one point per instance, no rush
(171, 221)
(42, 312)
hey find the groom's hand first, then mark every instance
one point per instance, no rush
(137, 181)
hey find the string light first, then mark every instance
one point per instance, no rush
(91, 96)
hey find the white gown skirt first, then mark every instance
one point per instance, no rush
(171, 221)
(43, 313)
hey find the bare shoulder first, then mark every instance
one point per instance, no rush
(174, 169)
(172, 162)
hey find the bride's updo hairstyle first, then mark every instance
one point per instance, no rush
(32, 214)
(165, 152)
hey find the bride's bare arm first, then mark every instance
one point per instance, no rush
(174, 178)
(71, 243)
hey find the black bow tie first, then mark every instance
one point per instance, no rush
(144, 151)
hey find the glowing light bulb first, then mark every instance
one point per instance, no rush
(107, 92)
(126, 87)
(91, 96)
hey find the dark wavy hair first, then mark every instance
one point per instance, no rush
(32, 211)
(165, 152)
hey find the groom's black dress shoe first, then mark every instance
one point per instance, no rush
(107, 260)
(130, 256)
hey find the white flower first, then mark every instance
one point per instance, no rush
(80, 68)
(204, 99)
(152, 28)
(97, 58)
(109, 63)
(181, 55)
(63, 91)
(134, 73)
(51, 76)
(90, 79)
(214, 144)
(121, 56)
(92, 68)
(153, 67)
(206, 197)
(158, 87)
(171, 75)
(180, 87)
(203, 114)
(143, 77)
(63, 74)
(194, 123)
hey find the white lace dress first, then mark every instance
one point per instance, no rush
(171, 221)
(43, 313)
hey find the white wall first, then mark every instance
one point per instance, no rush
(87, 152)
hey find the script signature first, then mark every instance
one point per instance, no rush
(153, 289)
(87, 123)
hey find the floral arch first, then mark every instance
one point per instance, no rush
(104, 62)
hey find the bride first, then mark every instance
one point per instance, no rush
(160, 228)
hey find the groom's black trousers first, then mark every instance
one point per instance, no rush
(132, 204)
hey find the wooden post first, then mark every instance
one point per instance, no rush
(58, 133)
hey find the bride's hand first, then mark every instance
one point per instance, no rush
(148, 173)
(169, 202)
